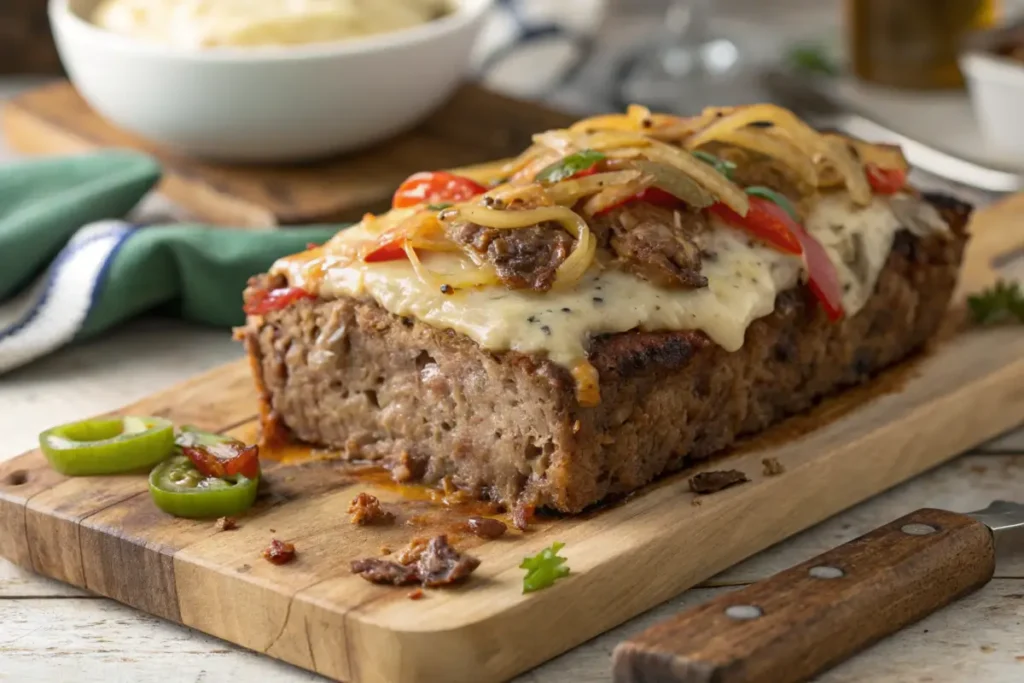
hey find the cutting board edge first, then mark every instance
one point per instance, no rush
(419, 647)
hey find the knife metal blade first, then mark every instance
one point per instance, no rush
(806, 619)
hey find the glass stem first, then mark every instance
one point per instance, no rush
(688, 23)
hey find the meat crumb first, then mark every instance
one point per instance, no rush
(772, 467)
(712, 482)
(522, 515)
(485, 527)
(433, 564)
(410, 554)
(416, 594)
(278, 552)
(365, 510)
(225, 524)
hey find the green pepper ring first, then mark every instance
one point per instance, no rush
(108, 445)
(178, 489)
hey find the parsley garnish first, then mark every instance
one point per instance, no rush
(813, 59)
(723, 166)
(544, 568)
(439, 207)
(570, 166)
(1003, 303)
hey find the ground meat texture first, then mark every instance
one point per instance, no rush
(437, 564)
(772, 467)
(485, 527)
(365, 510)
(507, 426)
(440, 564)
(712, 482)
(376, 570)
(524, 258)
(655, 243)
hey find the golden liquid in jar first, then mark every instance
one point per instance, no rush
(914, 44)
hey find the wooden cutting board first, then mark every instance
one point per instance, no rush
(475, 126)
(105, 535)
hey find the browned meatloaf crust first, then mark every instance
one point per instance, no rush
(431, 403)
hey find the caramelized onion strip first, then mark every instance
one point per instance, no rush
(810, 141)
(568, 192)
(779, 148)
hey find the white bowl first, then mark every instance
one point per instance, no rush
(996, 86)
(267, 104)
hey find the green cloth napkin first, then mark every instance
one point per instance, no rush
(72, 268)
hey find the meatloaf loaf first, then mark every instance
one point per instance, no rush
(350, 373)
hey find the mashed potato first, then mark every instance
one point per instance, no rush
(253, 23)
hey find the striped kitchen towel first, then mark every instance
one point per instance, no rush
(71, 268)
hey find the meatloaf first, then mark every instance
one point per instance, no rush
(433, 404)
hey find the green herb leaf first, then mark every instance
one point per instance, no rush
(723, 166)
(439, 207)
(1001, 304)
(570, 166)
(812, 58)
(775, 198)
(544, 568)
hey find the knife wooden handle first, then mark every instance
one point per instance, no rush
(806, 619)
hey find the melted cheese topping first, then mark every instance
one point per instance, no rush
(213, 23)
(744, 278)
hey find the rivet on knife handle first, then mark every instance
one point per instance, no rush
(806, 619)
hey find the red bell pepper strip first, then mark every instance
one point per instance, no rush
(886, 180)
(434, 187)
(822, 277)
(225, 459)
(389, 247)
(765, 220)
(267, 301)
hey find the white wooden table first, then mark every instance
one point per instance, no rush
(50, 632)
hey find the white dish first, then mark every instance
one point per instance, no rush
(996, 86)
(268, 104)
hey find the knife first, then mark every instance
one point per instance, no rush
(810, 617)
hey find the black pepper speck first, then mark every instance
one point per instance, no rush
(545, 329)
(532, 319)
(566, 310)
(598, 300)
(447, 289)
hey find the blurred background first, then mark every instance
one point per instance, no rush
(594, 54)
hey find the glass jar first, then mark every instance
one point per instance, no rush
(913, 44)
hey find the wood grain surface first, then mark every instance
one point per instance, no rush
(475, 126)
(104, 535)
(793, 625)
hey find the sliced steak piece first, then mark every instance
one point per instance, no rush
(655, 243)
(525, 258)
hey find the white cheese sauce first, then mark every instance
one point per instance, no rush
(744, 278)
